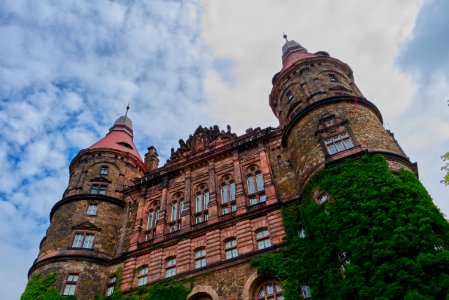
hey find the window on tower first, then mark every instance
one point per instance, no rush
(92, 210)
(290, 96)
(338, 143)
(333, 78)
(104, 170)
(70, 285)
(99, 189)
(83, 240)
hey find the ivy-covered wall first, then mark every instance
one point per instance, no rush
(378, 236)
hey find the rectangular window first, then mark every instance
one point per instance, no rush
(338, 143)
(333, 78)
(98, 189)
(206, 200)
(250, 183)
(323, 198)
(306, 293)
(252, 201)
(232, 191)
(150, 220)
(263, 198)
(174, 211)
(70, 285)
(200, 258)
(225, 211)
(224, 194)
(259, 181)
(233, 207)
(170, 268)
(104, 170)
(263, 239)
(92, 210)
(111, 285)
(83, 240)
(142, 278)
(199, 203)
(231, 249)
(199, 219)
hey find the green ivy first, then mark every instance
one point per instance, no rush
(395, 237)
(445, 168)
(39, 288)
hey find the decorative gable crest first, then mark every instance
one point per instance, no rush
(86, 226)
(201, 139)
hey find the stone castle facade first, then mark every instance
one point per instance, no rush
(215, 204)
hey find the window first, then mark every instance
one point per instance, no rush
(306, 292)
(290, 96)
(70, 285)
(323, 198)
(150, 221)
(270, 291)
(111, 285)
(83, 240)
(338, 143)
(333, 78)
(98, 189)
(92, 210)
(302, 233)
(104, 170)
(177, 207)
(231, 250)
(228, 198)
(263, 239)
(304, 71)
(142, 276)
(170, 269)
(255, 186)
(200, 258)
(201, 204)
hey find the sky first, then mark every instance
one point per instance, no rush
(69, 68)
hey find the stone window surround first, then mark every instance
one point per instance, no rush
(231, 248)
(84, 233)
(142, 275)
(255, 186)
(199, 258)
(228, 195)
(70, 283)
(262, 236)
(170, 266)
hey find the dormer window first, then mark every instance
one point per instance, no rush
(125, 145)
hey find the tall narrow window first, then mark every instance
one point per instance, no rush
(83, 240)
(70, 285)
(104, 170)
(177, 207)
(201, 204)
(99, 189)
(111, 285)
(142, 276)
(255, 186)
(338, 143)
(170, 267)
(333, 78)
(150, 222)
(200, 258)
(263, 239)
(228, 198)
(231, 250)
(290, 96)
(92, 210)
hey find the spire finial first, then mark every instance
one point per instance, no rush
(127, 108)
(285, 37)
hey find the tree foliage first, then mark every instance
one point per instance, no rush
(394, 236)
(39, 288)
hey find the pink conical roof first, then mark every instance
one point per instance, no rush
(292, 52)
(120, 137)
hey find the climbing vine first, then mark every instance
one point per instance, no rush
(446, 168)
(378, 236)
(42, 288)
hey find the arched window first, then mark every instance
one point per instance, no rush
(200, 258)
(263, 239)
(142, 276)
(170, 267)
(228, 196)
(231, 250)
(270, 290)
(152, 220)
(255, 186)
(201, 204)
(177, 207)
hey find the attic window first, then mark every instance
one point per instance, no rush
(125, 145)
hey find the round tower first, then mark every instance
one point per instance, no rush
(323, 114)
(88, 225)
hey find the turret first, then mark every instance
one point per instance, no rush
(88, 225)
(323, 114)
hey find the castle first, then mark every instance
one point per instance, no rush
(215, 205)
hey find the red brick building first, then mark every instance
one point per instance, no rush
(215, 205)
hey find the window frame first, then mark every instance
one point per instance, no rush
(98, 189)
(111, 285)
(255, 186)
(89, 211)
(263, 239)
(228, 195)
(202, 199)
(70, 283)
(82, 242)
(104, 170)
(266, 295)
(338, 143)
(142, 277)
(199, 258)
(170, 266)
(231, 248)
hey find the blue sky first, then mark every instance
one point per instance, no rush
(67, 71)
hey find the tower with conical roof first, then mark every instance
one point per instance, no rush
(88, 226)
(323, 114)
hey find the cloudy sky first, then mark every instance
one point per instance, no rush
(69, 68)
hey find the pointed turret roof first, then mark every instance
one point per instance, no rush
(120, 137)
(292, 52)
